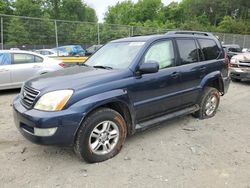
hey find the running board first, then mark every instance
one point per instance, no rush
(147, 124)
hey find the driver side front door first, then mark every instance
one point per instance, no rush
(157, 93)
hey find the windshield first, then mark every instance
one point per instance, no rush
(235, 49)
(115, 55)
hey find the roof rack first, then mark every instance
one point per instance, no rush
(138, 35)
(190, 33)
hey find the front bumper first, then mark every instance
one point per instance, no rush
(240, 73)
(66, 121)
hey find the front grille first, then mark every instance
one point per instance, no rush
(28, 96)
(244, 65)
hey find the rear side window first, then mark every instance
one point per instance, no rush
(5, 59)
(45, 52)
(161, 52)
(23, 58)
(38, 59)
(209, 49)
(188, 51)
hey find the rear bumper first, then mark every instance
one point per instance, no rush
(66, 121)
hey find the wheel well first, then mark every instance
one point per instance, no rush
(216, 84)
(122, 109)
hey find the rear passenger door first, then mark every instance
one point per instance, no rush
(191, 69)
(197, 58)
(25, 66)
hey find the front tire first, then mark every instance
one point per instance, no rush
(101, 136)
(208, 103)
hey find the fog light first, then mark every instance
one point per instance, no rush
(45, 132)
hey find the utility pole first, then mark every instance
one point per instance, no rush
(2, 33)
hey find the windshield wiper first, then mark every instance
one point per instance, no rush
(102, 67)
(84, 65)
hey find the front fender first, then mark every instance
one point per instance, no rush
(88, 104)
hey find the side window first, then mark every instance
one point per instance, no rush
(162, 52)
(38, 59)
(5, 59)
(209, 49)
(234, 50)
(188, 51)
(23, 58)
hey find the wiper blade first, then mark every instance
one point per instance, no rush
(102, 67)
(84, 65)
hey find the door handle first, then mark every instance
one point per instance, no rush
(4, 70)
(175, 74)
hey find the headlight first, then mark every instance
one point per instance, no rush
(53, 101)
(234, 62)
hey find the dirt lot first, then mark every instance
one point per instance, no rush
(185, 152)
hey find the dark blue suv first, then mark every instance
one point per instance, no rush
(128, 85)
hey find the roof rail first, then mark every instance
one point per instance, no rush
(190, 33)
(148, 34)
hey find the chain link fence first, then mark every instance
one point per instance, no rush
(36, 33)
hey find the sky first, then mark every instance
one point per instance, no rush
(101, 6)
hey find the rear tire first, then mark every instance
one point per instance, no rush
(208, 103)
(101, 136)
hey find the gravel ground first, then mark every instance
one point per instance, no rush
(184, 152)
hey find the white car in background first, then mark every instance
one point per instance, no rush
(17, 66)
(51, 52)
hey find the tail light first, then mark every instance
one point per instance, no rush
(62, 65)
(227, 62)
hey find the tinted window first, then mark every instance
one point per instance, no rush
(188, 51)
(22, 58)
(234, 50)
(38, 59)
(161, 52)
(209, 49)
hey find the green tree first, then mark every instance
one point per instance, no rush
(6, 7)
(122, 13)
(16, 32)
(148, 10)
(230, 25)
(32, 8)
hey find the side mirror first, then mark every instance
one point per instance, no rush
(149, 67)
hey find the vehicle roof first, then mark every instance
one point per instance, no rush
(138, 38)
(21, 52)
(172, 34)
(44, 50)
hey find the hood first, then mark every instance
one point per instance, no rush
(76, 77)
(243, 57)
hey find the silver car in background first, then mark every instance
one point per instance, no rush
(17, 66)
(51, 52)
